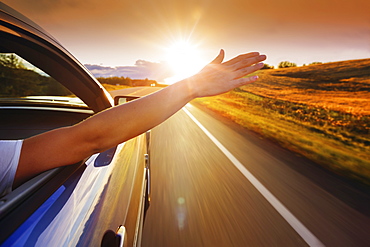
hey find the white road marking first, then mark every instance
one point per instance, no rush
(307, 236)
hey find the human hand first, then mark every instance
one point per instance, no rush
(218, 77)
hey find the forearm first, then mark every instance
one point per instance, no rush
(68, 145)
(126, 121)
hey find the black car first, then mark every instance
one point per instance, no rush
(101, 200)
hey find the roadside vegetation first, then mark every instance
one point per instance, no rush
(321, 111)
(110, 87)
(17, 80)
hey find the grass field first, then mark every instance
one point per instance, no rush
(110, 87)
(319, 111)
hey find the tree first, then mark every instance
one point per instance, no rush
(266, 66)
(11, 61)
(287, 64)
(18, 81)
(115, 80)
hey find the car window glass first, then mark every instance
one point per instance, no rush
(19, 78)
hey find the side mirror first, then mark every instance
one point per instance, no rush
(119, 100)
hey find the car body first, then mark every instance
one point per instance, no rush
(98, 201)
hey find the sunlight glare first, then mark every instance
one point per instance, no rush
(185, 59)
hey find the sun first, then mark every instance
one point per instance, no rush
(185, 59)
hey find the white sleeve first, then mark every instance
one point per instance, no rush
(9, 157)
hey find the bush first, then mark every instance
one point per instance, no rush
(286, 64)
(115, 80)
(266, 66)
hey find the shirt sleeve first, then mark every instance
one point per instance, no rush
(10, 151)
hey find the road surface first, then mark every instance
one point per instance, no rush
(214, 184)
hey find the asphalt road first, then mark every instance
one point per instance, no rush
(237, 189)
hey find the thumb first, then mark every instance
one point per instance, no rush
(219, 58)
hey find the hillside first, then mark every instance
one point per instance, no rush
(341, 86)
(319, 111)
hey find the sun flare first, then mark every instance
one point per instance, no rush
(185, 59)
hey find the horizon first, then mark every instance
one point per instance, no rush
(275, 67)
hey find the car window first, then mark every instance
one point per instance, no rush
(20, 78)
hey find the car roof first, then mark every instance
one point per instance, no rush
(32, 42)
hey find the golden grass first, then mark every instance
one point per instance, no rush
(319, 111)
(110, 87)
(341, 86)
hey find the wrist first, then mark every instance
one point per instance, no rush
(189, 87)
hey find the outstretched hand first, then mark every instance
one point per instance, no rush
(218, 77)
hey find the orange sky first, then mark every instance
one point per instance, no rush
(120, 32)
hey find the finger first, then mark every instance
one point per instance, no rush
(248, 70)
(242, 57)
(252, 60)
(220, 57)
(247, 62)
(245, 81)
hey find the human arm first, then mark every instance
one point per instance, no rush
(118, 124)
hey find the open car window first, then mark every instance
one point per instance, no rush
(20, 78)
(22, 81)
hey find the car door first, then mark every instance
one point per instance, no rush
(97, 199)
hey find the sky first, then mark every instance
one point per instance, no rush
(137, 38)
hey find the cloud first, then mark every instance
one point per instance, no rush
(141, 70)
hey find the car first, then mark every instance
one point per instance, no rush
(101, 200)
